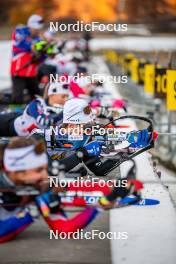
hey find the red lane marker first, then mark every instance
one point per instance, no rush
(119, 126)
(155, 135)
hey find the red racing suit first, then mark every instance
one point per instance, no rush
(22, 42)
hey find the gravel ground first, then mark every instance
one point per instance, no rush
(34, 246)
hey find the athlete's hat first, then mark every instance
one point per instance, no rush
(77, 111)
(35, 21)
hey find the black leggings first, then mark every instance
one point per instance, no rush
(7, 124)
(19, 84)
(95, 165)
(99, 167)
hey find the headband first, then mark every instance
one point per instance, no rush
(25, 158)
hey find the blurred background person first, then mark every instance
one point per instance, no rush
(23, 67)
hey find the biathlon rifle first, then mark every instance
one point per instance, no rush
(21, 195)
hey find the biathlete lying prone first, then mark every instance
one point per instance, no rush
(24, 163)
(82, 150)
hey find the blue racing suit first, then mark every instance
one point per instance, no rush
(37, 114)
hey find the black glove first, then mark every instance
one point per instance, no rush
(105, 113)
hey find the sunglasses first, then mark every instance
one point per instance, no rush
(66, 86)
(41, 21)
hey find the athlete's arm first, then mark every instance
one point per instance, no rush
(35, 110)
(21, 42)
(14, 225)
(59, 221)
